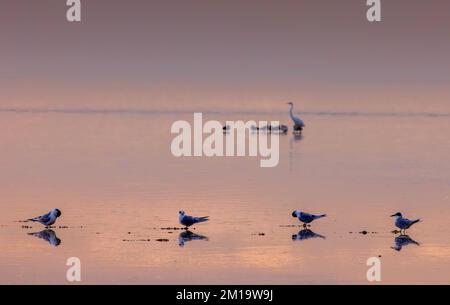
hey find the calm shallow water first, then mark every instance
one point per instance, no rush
(113, 176)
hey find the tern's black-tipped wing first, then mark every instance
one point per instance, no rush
(43, 219)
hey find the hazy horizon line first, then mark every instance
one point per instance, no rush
(143, 111)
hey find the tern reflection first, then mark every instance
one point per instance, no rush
(402, 241)
(49, 236)
(306, 234)
(189, 236)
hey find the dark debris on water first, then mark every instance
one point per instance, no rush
(175, 229)
(292, 226)
(136, 240)
(364, 232)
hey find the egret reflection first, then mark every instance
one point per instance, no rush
(293, 154)
(189, 236)
(49, 236)
(297, 137)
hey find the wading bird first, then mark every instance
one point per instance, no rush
(306, 218)
(298, 123)
(188, 221)
(403, 223)
(47, 219)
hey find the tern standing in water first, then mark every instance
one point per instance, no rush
(47, 219)
(188, 221)
(306, 218)
(403, 223)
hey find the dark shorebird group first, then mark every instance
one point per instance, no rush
(187, 221)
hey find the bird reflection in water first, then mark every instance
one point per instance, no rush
(306, 234)
(189, 236)
(297, 137)
(292, 155)
(49, 236)
(402, 241)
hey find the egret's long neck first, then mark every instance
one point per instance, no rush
(290, 111)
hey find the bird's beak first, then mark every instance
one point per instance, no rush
(392, 215)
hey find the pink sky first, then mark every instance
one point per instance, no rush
(261, 51)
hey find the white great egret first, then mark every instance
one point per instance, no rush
(298, 123)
